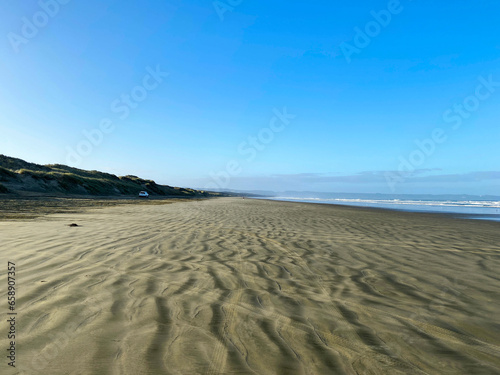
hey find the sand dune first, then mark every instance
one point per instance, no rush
(233, 286)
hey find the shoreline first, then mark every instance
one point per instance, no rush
(73, 204)
(457, 215)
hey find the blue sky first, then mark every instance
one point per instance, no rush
(258, 95)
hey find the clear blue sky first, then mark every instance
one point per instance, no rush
(360, 102)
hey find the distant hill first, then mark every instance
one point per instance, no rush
(20, 177)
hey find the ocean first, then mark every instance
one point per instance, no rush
(470, 207)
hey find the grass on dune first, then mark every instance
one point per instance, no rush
(21, 176)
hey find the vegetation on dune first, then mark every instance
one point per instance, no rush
(3, 189)
(18, 175)
(6, 174)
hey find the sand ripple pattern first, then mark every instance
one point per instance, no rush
(233, 286)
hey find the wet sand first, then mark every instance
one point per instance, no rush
(240, 286)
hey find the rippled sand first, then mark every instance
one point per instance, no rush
(233, 286)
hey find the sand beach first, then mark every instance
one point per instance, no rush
(242, 286)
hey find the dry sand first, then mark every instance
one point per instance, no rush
(233, 286)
